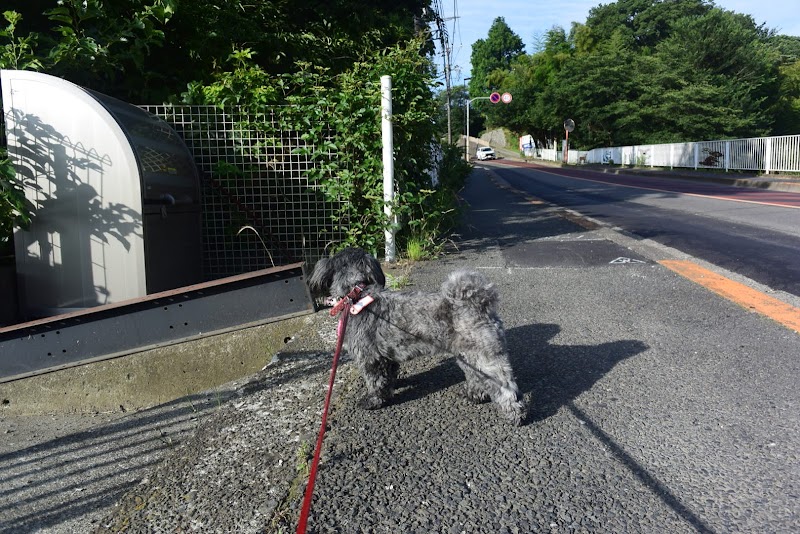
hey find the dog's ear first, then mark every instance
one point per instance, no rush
(322, 277)
(372, 269)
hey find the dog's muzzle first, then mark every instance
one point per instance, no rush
(354, 299)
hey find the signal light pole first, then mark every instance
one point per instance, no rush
(466, 144)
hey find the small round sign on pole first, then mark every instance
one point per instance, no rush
(506, 98)
(494, 98)
(569, 125)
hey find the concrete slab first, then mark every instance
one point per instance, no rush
(571, 254)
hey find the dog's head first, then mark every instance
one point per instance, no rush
(337, 275)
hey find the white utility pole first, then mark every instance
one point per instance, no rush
(388, 164)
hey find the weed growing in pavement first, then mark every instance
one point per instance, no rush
(303, 455)
(415, 249)
(284, 514)
(397, 282)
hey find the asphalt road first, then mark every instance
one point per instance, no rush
(656, 406)
(751, 232)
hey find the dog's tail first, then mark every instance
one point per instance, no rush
(470, 287)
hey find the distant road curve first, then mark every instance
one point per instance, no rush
(684, 186)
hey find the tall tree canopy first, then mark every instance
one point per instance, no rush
(148, 50)
(496, 52)
(491, 59)
(642, 23)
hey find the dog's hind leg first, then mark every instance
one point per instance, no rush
(492, 378)
(380, 375)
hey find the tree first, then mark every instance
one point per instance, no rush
(92, 44)
(496, 52)
(787, 46)
(727, 54)
(324, 56)
(709, 79)
(533, 110)
(491, 59)
(787, 120)
(148, 50)
(652, 71)
(596, 90)
(644, 23)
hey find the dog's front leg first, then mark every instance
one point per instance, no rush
(379, 375)
(474, 390)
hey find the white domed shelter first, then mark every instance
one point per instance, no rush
(116, 196)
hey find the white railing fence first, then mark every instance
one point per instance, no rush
(763, 154)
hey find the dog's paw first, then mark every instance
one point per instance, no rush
(371, 402)
(516, 413)
(475, 397)
(517, 419)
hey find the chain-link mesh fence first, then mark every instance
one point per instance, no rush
(259, 206)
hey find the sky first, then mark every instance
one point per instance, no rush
(470, 20)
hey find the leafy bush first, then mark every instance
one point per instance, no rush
(338, 116)
(437, 211)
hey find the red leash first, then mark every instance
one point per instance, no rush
(303, 521)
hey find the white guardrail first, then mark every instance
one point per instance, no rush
(764, 154)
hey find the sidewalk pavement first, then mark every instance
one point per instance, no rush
(655, 406)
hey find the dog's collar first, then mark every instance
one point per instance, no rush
(351, 298)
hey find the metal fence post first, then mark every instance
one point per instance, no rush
(388, 164)
(768, 156)
(727, 156)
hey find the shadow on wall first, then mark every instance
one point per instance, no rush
(62, 254)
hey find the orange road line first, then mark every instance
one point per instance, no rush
(785, 314)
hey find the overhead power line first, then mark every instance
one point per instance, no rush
(439, 19)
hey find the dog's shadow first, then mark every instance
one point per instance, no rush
(554, 375)
(443, 375)
(549, 375)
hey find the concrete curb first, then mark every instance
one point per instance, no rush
(149, 378)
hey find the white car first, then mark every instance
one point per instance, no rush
(486, 152)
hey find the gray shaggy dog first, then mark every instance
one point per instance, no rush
(399, 325)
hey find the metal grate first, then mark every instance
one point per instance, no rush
(254, 175)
